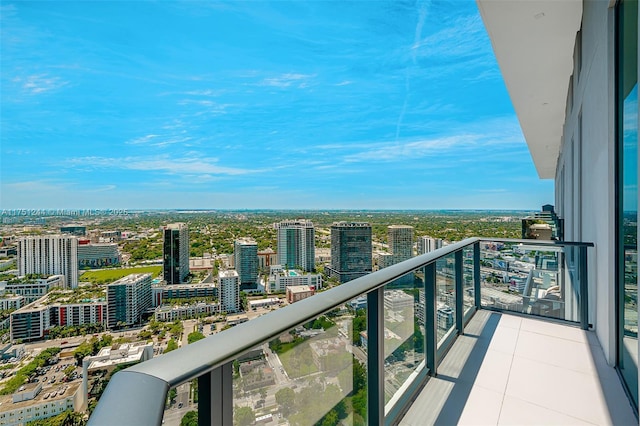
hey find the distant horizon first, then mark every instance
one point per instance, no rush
(257, 105)
(63, 212)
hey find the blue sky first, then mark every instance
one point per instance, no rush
(318, 104)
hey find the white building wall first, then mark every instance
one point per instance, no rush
(49, 254)
(585, 176)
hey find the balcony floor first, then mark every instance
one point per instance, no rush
(510, 370)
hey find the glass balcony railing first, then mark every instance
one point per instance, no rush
(533, 279)
(358, 353)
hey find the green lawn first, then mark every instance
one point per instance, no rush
(110, 275)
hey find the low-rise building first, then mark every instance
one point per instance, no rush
(35, 403)
(63, 308)
(329, 354)
(296, 293)
(263, 303)
(280, 279)
(11, 301)
(445, 317)
(8, 351)
(108, 358)
(256, 375)
(183, 291)
(32, 287)
(180, 312)
(397, 300)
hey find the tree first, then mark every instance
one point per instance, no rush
(330, 419)
(173, 393)
(286, 398)
(66, 418)
(243, 416)
(194, 337)
(69, 370)
(172, 345)
(190, 419)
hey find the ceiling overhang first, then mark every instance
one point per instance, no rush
(533, 41)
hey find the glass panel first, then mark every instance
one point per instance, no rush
(314, 374)
(530, 279)
(445, 296)
(467, 280)
(403, 332)
(628, 203)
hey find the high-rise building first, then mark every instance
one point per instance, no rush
(427, 244)
(229, 291)
(245, 252)
(296, 244)
(176, 253)
(51, 255)
(351, 251)
(128, 299)
(400, 242)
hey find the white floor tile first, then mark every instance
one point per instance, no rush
(482, 407)
(558, 389)
(556, 330)
(494, 372)
(510, 321)
(504, 340)
(559, 352)
(523, 372)
(518, 412)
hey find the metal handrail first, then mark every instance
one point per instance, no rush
(137, 395)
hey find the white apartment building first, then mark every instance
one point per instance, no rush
(49, 254)
(397, 300)
(11, 301)
(229, 291)
(428, 244)
(32, 289)
(33, 403)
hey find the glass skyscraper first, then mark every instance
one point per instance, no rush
(351, 252)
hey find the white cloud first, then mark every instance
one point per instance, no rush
(35, 84)
(411, 150)
(188, 165)
(287, 80)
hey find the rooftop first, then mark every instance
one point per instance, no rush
(61, 391)
(123, 354)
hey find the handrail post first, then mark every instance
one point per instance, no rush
(584, 289)
(430, 320)
(458, 289)
(215, 397)
(476, 275)
(375, 357)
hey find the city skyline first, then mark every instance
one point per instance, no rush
(257, 106)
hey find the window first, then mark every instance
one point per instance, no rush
(627, 192)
